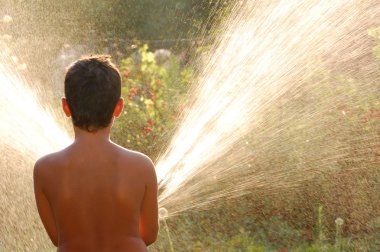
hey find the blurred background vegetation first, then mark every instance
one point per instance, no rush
(158, 46)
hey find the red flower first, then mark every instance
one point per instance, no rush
(132, 92)
(126, 73)
(152, 95)
(151, 122)
(147, 130)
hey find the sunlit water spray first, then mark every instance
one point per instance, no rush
(28, 130)
(28, 126)
(267, 54)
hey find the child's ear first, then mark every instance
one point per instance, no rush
(65, 107)
(118, 108)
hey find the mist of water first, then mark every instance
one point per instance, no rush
(268, 52)
(28, 130)
(28, 126)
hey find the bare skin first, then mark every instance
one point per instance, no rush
(97, 196)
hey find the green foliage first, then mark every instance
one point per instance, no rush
(321, 237)
(277, 233)
(152, 94)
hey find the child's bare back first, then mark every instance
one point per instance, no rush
(97, 196)
(95, 193)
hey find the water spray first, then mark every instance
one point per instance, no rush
(163, 214)
(263, 63)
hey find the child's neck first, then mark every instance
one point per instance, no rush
(100, 136)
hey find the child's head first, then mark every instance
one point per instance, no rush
(92, 90)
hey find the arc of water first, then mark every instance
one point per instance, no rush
(27, 125)
(267, 53)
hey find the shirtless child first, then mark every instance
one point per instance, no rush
(96, 196)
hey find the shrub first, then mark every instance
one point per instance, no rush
(152, 94)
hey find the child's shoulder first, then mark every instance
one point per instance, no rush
(137, 158)
(132, 154)
(47, 163)
(52, 158)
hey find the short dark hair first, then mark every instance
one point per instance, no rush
(92, 90)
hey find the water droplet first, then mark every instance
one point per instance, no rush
(163, 213)
(7, 19)
(339, 221)
(22, 67)
(6, 37)
(14, 59)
